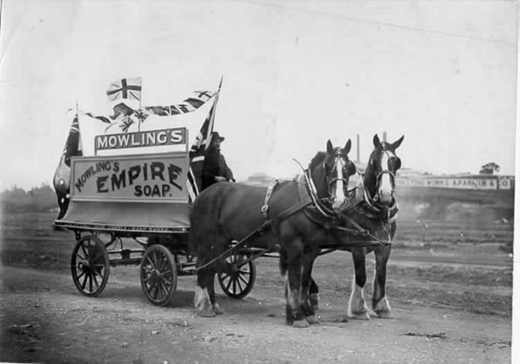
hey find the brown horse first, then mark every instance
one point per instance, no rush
(374, 208)
(296, 215)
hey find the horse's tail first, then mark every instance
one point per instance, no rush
(195, 220)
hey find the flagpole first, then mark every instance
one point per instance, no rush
(140, 114)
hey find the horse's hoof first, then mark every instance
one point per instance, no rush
(384, 314)
(206, 313)
(300, 324)
(360, 316)
(217, 310)
(312, 320)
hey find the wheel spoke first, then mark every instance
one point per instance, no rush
(239, 283)
(78, 255)
(234, 285)
(229, 283)
(164, 289)
(155, 260)
(85, 253)
(84, 281)
(149, 263)
(80, 275)
(242, 279)
(95, 280)
(90, 282)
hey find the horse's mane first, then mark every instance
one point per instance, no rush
(318, 158)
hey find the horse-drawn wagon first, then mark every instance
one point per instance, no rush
(134, 210)
(143, 198)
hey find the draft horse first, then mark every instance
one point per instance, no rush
(374, 207)
(290, 217)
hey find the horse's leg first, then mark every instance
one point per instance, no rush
(379, 301)
(310, 315)
(212, 297)
(203, 304)
(314, 296)
(294, 314)
(357, 307)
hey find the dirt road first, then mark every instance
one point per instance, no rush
(44, 319)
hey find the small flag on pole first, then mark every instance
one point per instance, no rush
(126, 88)
(61, 179)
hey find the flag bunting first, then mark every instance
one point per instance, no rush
(190, 104)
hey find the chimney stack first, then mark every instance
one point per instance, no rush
(357, 143)
(384, 136)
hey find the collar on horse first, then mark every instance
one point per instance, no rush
(371, 208)
(318, 211)
(314, 208)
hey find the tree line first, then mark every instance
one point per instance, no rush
(16, 199)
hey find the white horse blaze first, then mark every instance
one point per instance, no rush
(385, 187)
(339, 197)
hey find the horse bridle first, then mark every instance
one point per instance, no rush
(337, 155)
(383, 172)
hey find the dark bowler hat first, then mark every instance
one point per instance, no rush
(216, 136)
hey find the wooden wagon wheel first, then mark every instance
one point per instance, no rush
(158, 275)
(90, 266)
(237, 278)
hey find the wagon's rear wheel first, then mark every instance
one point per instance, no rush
(158, 275)
(90, 265)
(237, 278)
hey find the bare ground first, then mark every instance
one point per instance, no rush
(451, 300)
(444, 312)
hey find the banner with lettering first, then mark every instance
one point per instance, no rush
(150, 177)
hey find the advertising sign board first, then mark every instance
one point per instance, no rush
(149, 177)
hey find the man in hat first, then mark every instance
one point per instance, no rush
(215, 168)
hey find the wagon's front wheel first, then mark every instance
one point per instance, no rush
(158, 275)
(90, 266)
(238, 278)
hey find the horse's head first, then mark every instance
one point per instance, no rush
(380, 172)
(331, 171)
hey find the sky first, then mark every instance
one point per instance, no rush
(295, 74)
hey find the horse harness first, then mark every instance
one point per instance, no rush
(319, 213)
(313, 207)
(370, 208)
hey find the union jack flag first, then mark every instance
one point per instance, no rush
(198, 149)
(126, 88)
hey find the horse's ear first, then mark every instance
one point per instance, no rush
(348, 145)
(397, 143)
(330, 149)
(376, 140)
